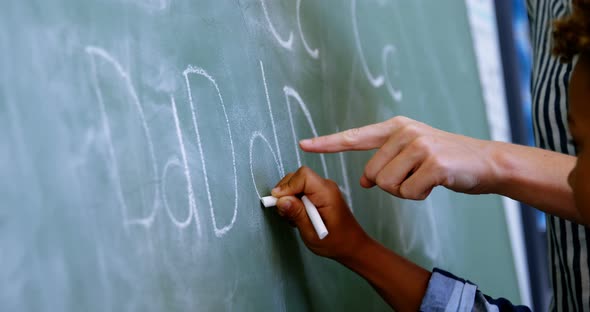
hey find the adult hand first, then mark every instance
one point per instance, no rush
(413, 158)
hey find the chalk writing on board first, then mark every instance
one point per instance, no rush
(314, 53)
(375, 81)
(154, 4)
(291, 93)
(287, 44)
(131, 233)
(182, 163)
(173, 161)
(395, 94)
(189, 184)
(258, 135)
(201, 72)
(424, 238)
(379, 80)
(292, 99)
(95, 52)
(272, 121)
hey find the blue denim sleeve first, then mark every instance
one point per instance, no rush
(447, 292)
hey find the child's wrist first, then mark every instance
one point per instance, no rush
(360, 251)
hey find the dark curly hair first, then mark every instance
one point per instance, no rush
(571, 34)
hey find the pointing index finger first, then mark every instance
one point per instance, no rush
(356, 139)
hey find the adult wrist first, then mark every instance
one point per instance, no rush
(502, 168)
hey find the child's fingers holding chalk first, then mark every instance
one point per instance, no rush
(285, 179)
(293, 209)
(321, 209)
(306, 182)
(303, 181)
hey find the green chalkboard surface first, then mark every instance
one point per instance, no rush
(137, 135)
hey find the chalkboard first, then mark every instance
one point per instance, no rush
(137, 135)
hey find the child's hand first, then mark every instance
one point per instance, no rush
(400, 282)
(345, 234)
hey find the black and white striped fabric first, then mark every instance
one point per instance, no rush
(567, 241)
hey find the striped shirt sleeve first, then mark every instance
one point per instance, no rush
(447, 292)
(531, 6)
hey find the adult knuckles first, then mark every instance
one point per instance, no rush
(411, 130)
(408, 126)
(351, 137)
(439, 171)
(382, 181)
(410, 193)
(393, 190)
(443, 172)
(399, 121)
(369, 173)
(422, 144)
(439, 167)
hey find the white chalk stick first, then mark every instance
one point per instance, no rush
(312, 212)
(269, 201)
(315, 217)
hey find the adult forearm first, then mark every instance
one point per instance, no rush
(535, 177)
(401, 283)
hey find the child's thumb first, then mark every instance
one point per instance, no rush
(292, 209)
